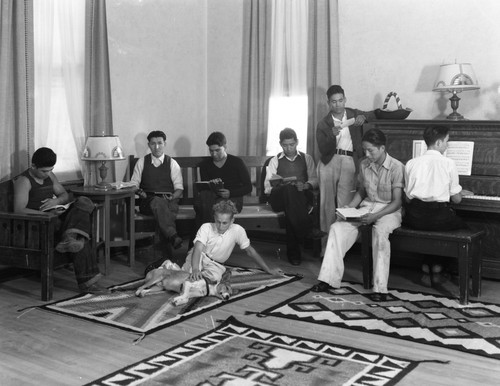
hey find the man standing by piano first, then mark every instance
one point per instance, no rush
(431, 181)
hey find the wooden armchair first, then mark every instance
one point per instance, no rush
(27, 241)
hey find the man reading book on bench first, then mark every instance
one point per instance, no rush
(380, 187)
(225, 176)
(159, 178)
(290, 179)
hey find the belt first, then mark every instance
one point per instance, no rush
(344, 152)
(431, 204)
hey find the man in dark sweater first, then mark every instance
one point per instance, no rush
(226, 170)
(290, 179)
(160, 184)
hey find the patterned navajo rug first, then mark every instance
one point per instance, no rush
(413, 316)
(238, 354)
(145, 315)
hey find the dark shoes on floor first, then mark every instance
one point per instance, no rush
(321, 287)
(294, 261)
(379, 297)
(70, 243)
(176, 241)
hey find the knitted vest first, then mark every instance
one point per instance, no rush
(156, 179)
(297, 168)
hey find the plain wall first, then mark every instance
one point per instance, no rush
(398, 45)
(178, 65)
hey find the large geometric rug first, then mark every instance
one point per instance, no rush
(413, 316)
(235, 354)
(155, 311)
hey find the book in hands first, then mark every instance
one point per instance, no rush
(351, 214)
(213, 185)
(276, 180)
(58, 207)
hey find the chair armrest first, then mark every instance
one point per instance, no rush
(49, 217)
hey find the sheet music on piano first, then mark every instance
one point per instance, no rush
(459, 151)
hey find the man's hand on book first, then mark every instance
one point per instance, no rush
(48, 203)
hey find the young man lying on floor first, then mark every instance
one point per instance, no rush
(213, 245)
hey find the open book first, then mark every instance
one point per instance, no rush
(58, 207)
(276, 179)
(351, 214)
(459, 151)
(213, 185)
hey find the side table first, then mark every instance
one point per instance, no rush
(127, 195)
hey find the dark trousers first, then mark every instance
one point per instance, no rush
(164, 212)
(77, 220)
(205, 200)
(431, 216)
(298, 222)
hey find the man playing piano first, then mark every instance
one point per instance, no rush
(431, 181)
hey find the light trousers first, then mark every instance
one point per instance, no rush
(337, 185)
(342, 237)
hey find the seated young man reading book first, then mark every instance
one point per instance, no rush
(224, 177)
(290, 179)
(36, 191)
(380, 187)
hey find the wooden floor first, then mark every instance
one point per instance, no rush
(41, 348)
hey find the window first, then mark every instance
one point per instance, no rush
(59, 31)
(288, 104)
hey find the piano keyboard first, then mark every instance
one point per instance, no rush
(479, 197)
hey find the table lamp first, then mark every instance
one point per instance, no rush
(455, 78)
(103, 148)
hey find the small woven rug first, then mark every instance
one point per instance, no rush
(238, 354)
(413, 316)
(155, 311)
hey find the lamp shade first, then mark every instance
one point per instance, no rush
(103, 148)
(456, 77)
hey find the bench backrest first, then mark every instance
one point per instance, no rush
(191, 174)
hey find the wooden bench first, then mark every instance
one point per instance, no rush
(463, 244)
(256, 213)
(27, 241)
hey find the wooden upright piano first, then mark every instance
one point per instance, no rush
(481, 211)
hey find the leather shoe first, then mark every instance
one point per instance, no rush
(294, 261)
(316, 234)
(176, 241)
(379, 297)
(321, 287)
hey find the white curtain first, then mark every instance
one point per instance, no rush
(288, 103)
(59, 27)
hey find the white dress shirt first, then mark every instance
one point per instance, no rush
(432, 177)
(344, 140)
(175, 171)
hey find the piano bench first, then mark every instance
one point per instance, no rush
(463, 244)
